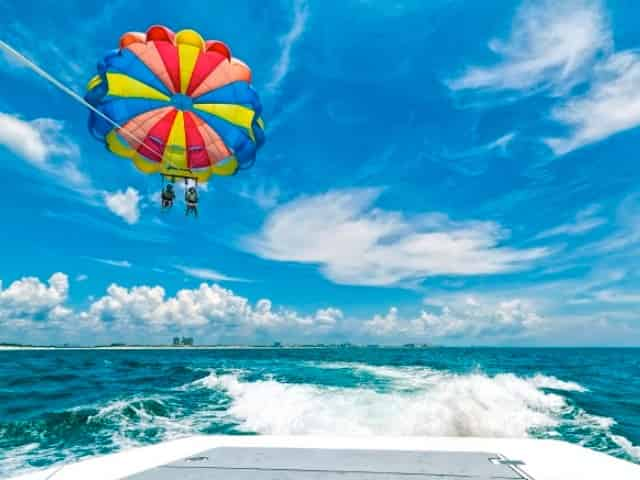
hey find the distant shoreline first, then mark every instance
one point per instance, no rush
(204, 347)
(14, 348)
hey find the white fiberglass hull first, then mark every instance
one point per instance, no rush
(311, 457)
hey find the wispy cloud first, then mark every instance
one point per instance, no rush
(287, 42)
(208, 274)
(555, 46)
(584, 222)
(263, 196)
(475, 160)
(617, 296)
(355, 243)
(551, 45)
(42, 143)
(627, 232)
(114, 263)
(611, 105)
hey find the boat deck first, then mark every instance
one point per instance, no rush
(254, 457)
(233, 463)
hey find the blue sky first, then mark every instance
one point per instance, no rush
(442, 171)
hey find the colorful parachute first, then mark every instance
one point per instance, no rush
(185, 106)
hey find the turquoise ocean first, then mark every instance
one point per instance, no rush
(63, 405)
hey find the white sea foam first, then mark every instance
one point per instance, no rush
(626, 445)
(543, 381)
(456, 405)
(400, 377)
(133, 417)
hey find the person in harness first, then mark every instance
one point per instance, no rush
(168, 196)
(191, 199)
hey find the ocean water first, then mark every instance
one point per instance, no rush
(59, 406)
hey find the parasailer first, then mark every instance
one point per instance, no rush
(168, 195)
(176, 105)
(191, 199)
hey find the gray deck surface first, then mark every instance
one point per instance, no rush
(232, 463)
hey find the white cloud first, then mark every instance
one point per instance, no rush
(616, 296)
(211, 310)
(124, 204)
(558, 45)
(31, 298)
(42, 143)
(355, 243)
(265, 197)
(382, 325)
(627, 233)
(207, 274)
(611, 105)
(551, 45)
(475, 160)
(206, 306)
(23, 138)
(114, 263)
(585, 221)
(328, 316)
(462, 316)
(281, 68)
(82, 278)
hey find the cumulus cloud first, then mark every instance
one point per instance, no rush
(282, 66)
(209, 306)
(29, 298)
(551, 45)
(355, 243)
(461, 316)
(611, 105)
(125, 204)
(211, 310)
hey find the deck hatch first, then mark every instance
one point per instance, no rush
(236, 463)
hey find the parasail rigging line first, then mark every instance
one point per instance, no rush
(55, 82)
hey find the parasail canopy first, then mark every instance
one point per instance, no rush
(184, 106)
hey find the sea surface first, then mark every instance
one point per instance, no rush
(63, 405)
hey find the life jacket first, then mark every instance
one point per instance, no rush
(168, 195)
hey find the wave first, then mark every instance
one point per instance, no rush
(422, 401)
(552, 383)
(413, 401)
(455, 405)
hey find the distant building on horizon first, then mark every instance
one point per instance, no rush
(183, 342)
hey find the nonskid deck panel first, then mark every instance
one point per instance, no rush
(255, 463)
